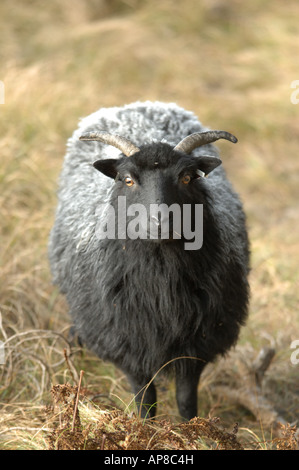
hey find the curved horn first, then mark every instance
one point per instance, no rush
(123, 144)
(197, 139)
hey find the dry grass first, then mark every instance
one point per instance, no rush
(232, 63)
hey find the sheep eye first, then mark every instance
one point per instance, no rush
(129, 182)
(186, 179)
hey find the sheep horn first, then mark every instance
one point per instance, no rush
(197, 139)
(123, 144)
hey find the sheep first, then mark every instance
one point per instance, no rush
(148, 303)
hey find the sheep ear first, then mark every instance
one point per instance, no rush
(108, 167)
(207, 164)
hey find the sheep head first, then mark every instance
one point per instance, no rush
(159, 174)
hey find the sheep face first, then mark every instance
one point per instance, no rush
(163, 186)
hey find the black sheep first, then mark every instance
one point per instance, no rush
(141, 300)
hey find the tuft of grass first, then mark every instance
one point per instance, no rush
(73, 422)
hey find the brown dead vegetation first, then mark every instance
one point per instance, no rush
(114, 430)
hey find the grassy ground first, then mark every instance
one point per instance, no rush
(232, 63)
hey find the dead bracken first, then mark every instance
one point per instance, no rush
(89, 427)
(115, 430)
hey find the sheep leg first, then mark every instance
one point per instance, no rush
(73, 338)
(186, 391)
(145, 396)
